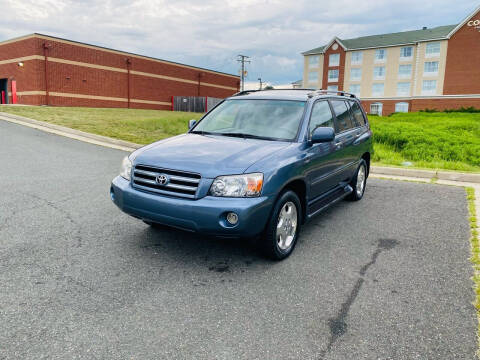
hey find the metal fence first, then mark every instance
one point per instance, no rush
(199, 104)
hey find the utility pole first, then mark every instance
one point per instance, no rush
(243, 59)
(260, 80)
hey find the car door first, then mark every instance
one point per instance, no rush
(321, 159)
(345, 136)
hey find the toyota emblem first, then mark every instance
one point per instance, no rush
(161, 179)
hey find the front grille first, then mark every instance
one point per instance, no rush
(179, 183)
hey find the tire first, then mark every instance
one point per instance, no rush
(278, 245)
(359, 182)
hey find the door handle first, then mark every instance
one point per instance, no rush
(338, 144)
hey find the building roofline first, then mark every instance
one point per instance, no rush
(467, 18)
(325, 47)
(103, 48)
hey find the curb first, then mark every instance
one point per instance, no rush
(129, 146)
(427, 174)
(71, 133)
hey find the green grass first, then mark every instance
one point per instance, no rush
(138, 126)
(475, 258)
(429, 140)
(448, 141)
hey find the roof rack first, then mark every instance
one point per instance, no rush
(244, 92)
(336, 92)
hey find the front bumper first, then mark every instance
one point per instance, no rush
(205, 215)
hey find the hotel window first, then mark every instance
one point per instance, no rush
(429, 87)
(403, 89)
(313, 61)
(332, 87)
(379, 73)
(380, 55)
(313, 76)
(405, 71)
(355, 89)
(377, 89)
(430, 68)
(376, 109)
(406, 53)
(401, 107)
(432, 49)
(355, 74)
(334, 60)
(332, 75)
(357, 57)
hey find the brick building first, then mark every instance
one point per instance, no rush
(43, 70)
(406, 71)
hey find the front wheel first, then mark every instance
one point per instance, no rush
(283, 227)
(359, 182)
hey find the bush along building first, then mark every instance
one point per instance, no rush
(437, 68)
(43, 70)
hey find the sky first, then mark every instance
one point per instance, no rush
(211, 33)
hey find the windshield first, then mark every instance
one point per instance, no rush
(267, 119)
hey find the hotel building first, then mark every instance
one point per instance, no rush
(405, 71)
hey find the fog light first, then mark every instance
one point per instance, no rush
(232, 218)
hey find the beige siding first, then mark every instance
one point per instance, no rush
(391, 71)
(307, 69)
(441, 68)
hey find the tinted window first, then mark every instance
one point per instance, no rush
(321, 116)
(357, 113)
(344, 121)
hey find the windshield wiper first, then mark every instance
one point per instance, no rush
(246, 136)
(201, 132)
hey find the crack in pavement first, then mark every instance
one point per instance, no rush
(338, 324)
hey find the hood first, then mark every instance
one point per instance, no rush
(207, 155)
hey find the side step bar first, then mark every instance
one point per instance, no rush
(331, 197)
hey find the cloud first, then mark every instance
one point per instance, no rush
(212, 32)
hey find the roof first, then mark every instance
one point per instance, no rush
(298, 82)
(115, 51)
(288, 94)
(392, 39)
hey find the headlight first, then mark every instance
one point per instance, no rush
(248, 185)
(126, 170)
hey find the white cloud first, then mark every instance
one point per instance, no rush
(212, 32)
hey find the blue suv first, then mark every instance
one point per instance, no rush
(260, 163)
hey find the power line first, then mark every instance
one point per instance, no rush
(243, 59)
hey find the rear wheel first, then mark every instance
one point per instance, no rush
(359, 182)
(283, 227)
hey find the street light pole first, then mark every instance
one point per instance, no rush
(243, 59)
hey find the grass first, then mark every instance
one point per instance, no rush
(428, 140)
(437, 140)
(475, 258)
(138, 126)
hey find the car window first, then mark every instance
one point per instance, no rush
(321, 116)
(273, 119)
(357, 113)
(344, 121)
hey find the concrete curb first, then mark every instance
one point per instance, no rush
(129, 146)
(427, 174)
(71, 133)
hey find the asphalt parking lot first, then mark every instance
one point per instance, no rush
(385, 278)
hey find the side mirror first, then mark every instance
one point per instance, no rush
(191, 123)
(323, 135)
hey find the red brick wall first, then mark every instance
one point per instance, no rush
(341, 68)
(422, 104)
(74, 79)
(462, 72)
